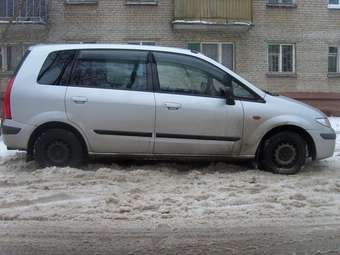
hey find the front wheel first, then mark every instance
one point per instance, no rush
(283, 153)
(58, 147)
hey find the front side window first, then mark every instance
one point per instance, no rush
(111, 69)
(186, 75)
(220, 52)
(281, 58)
(333, 60)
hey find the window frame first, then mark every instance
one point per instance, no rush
(280, 3)
(333, 6)
(141, 43)
(337, 62)
(281, 58)
(219, 50)
(257, 98)
(149, 76)
(141, 2)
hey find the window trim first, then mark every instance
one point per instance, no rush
(333, 6)
(140, 43)
(280, 72)
(338, 60)
(257, 99)
(219, 50)
(141, 2)
(281, 5)
(149, 81)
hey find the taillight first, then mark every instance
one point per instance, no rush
(7, 100)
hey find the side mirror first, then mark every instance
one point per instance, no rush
(229, 96)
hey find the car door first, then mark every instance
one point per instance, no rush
(109, 99)
(192, 117)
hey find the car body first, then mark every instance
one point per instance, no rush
(129, 100)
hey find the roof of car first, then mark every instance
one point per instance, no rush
(54, 47)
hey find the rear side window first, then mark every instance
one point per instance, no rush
(111, 69)
(54, 67)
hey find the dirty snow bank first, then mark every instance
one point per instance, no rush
(157, 192)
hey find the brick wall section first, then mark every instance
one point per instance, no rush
(311, 26)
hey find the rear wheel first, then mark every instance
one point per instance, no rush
(58, 147)
(283, 153)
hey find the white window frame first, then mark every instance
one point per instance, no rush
(280, 56)
(338, 59)
(333, 6)
(281, 2)
(141, 2)
(219, 50)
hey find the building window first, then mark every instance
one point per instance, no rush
(80, 1)
(145, 43)
(281, 3)
(281, 58)
(334, 4)
(141, 2)
(333, 60)
(220, 52)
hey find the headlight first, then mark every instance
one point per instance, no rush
(324, 122)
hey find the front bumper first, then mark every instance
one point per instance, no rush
(324, 141)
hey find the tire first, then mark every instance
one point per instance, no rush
(58, 147)
(283, 153)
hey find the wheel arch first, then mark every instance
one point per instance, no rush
(296, 129)
(49, 125)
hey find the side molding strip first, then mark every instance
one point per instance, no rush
(123, 133)
(198, 137)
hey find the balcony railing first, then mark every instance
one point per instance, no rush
(214, 10)
(23, 11)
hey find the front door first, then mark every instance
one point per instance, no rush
(108, 98)
(192, 117)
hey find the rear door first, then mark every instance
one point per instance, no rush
(192, 117)
(109, 99)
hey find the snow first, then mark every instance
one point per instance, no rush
(335, 122)
(158, 192)
(4, 153)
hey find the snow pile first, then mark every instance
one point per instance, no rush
(164, 191)
(335, 122)
(4, 153)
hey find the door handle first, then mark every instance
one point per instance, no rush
(172, 106)
(79, 100)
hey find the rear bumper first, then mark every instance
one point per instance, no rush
(15, 134)
(325, 141)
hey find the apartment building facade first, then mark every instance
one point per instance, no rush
(281, 45)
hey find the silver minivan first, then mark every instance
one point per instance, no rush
(66, 102)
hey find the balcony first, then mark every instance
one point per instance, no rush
(23, 11)
(213, 15)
